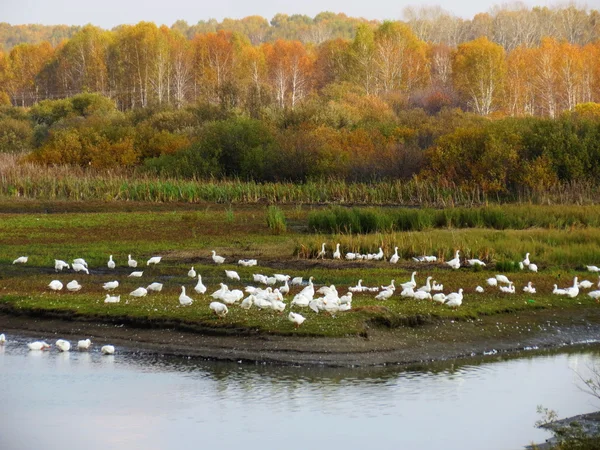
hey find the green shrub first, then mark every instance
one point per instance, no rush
(276, 220)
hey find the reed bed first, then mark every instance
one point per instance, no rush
(29, 181)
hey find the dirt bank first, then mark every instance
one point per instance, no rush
(404, 345)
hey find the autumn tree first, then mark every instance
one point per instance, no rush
(479, 72)
(25, 63)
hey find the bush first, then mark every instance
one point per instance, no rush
(15, 135)
(276, 220)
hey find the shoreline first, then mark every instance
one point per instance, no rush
(402, 346)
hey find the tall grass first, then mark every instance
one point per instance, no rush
(25, 180)
(276, 220)
(517, 217)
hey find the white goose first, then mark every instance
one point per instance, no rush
(84, 344)
(532, 267)
(139, 292)
(38, 345)
(21, 260)
(285, 289)
(394, 259)
(296, 281)
(55, 285)
(247, 262)
(510, 289)
(63, 345)
(219, 309)
(479, 289)
(455, 263)
(585, 284)
(350, 256)
(80, 261)
(110, 285)
(454, 300)
(476, 262)
(184, 300)
(526, 261)
(155, 287)
(131, 262)
(437, 287)
(322, 253)
(593, 268)
(111, 264)
(557, 291)
(200, 288)
(217, 259)
(529, 288)
(74, 286)
(192, 273)
(78, 267)
(410, 284)
(108, 350)
(439, 298)
(492, 282)
(136, 274)
(112, 299)
(2, 339)
(232, 274)
(296, 319)
(59, 265)
(502, 279)
(427, 287)
(384, 295)
(247, 302)
(154, 260)
(422, 295)
(573, 291)
(594, 294)
(337, 254)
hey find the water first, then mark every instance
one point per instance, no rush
(85, 400)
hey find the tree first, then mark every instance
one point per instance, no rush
(479, 72)
(25, 62)
(290, 70)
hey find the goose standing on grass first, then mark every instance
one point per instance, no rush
(476, 262)
(217, 259)
(111, 264)
(155, 287)
(2, 339)
(192, 273)
(112, 299)
(437, 287)
(80, 261)
(384, 295)
(410, 284)
(510, 289)
(74, 286)
(285, 289)
(322, 253)
(55, 285)
(502, 279)
(532, 267)
(59, 265)
(78, 267)
(108, 350)
(492, 282)
(63, 345)
(84, 344)
(247, 302)
(379, 255)
(390, 287)
(184, 300)
(594, 294)
(296, 319)
(136, 274)
(573, 291)
(529, 288)
(439, 298)
(593, 268)
(526, 261)
(139, 292)
(585, 284)
(422, 295)
(21, 260)
(394, 259)
(154, 260)
(110, 285)
(455, 263)
(200, 288)
(232, 275)
(219, 309)
(131, 262)
(427, 287)
(454, 300)
(296, 281)
(38, 345)
(337, 254)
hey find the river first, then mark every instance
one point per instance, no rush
(84, 400)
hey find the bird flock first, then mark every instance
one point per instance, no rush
(268, 292)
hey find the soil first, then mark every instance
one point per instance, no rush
(405, 345)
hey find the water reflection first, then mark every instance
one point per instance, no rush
(132, 400)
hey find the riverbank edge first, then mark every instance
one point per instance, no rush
(402, 346)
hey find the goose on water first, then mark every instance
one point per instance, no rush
(108, 350)
(63, 345)
(38, 345)
(84, 344)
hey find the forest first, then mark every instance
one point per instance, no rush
(505, 101)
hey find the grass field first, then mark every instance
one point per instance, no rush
(184, 235)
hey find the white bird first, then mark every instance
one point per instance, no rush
(390, 287)
(301, 300)
(346, 298)
(502, 279)
(154, 260)
(219, 309)
(200, 288)
(74, 286)
(110, 285)
(410, 284)
(59, 265)
(532, 267)
(492, 282)
(573, 291)
(232, 274)
(21, 260)
(454, 263)
(247, 302)
(439, 298)
(337, 254)
(131, 262)
(55, 285)
(379, 255)
(594, 294)
(585, 284)
(113, 299)
(155, 287)
(526, 261)
(394, 259)
(384, 295)
(422, 295)
(139, 292)
(62, 345)
(78, 267)
(217, 259)
(281, 277)
(427, 287)
(38, 345)
(454, 300)
(285, 289)
(108, 350)
(437, 287)
(558, 291)
(184, 300)
(2, 339)
(407, 292)
(510, 289)
(479, 289)
(80, 261)
(84, 344)
(476, 262)
(357, 288)
(192, 273)
(593, 268)
(296, 319)
(350, 256)
(529, 288)
(111, 264)
(136, 274)
(247, 262)
(296, 281)
(322, 253)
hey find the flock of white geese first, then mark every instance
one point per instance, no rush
(326, 298)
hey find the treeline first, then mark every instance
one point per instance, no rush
(143, 65)
(351, 138)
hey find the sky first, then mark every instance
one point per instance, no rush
(109, 13)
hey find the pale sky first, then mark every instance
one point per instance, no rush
(109, 13)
